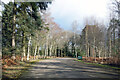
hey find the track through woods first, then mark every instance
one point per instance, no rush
(67, 68)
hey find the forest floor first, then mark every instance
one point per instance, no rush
(68, 68)
(13, 69)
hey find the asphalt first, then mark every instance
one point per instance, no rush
(68, 68)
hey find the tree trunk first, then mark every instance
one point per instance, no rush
(23, 53)
(76, 54)
(55, 51)
(45, 51)
(88, 49)
(105, 54)
(110, 45)
(114, 41)
(99, 52)
(28, 54)
(35, 51)
(13, 31)
(86, 39)
(38, 52)
(119, 40)
(94, 49)
(50, 50)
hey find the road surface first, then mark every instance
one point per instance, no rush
(67, 68)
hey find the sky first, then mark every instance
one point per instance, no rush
(67, 11)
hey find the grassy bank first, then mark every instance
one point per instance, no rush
(15, 71)
(101, 65)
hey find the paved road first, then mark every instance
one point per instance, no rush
(67, 68)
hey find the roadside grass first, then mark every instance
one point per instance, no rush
(15, 71)
(102, 65)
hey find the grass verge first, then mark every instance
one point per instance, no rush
(102, 65)
(15, 71)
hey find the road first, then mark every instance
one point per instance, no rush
(67, 68)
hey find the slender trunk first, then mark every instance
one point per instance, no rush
(35, 51)
(110, 45)
(93, 52)
(99, 52)
(13, 35)
(119, 39)
(47, 50)
(105, 54)
(86, 39)
(114, 41)
(76, 54)
(94, 49)
(88, 49)
(50, 50)
(38, 52)
(55, 50)
(114, 36)
(47, 46)
(23, 53)
(13, 31)
(28, 54)
(45, 54)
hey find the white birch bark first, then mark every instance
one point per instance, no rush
(28, 53)
(35, 51)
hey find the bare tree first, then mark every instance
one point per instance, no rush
(74, 29)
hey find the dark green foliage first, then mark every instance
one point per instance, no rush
(28, 21)
(7, 16)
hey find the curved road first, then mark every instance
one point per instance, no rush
(67, 68)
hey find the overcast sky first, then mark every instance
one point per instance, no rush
(66, 11)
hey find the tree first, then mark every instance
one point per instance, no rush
(74, 28)
(25, 20)
(114, 28)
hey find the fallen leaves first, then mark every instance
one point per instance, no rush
(103, 60)
(14, 68)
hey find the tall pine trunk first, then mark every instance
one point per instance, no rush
(13, 31)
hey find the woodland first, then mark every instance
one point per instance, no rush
(28, 32)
